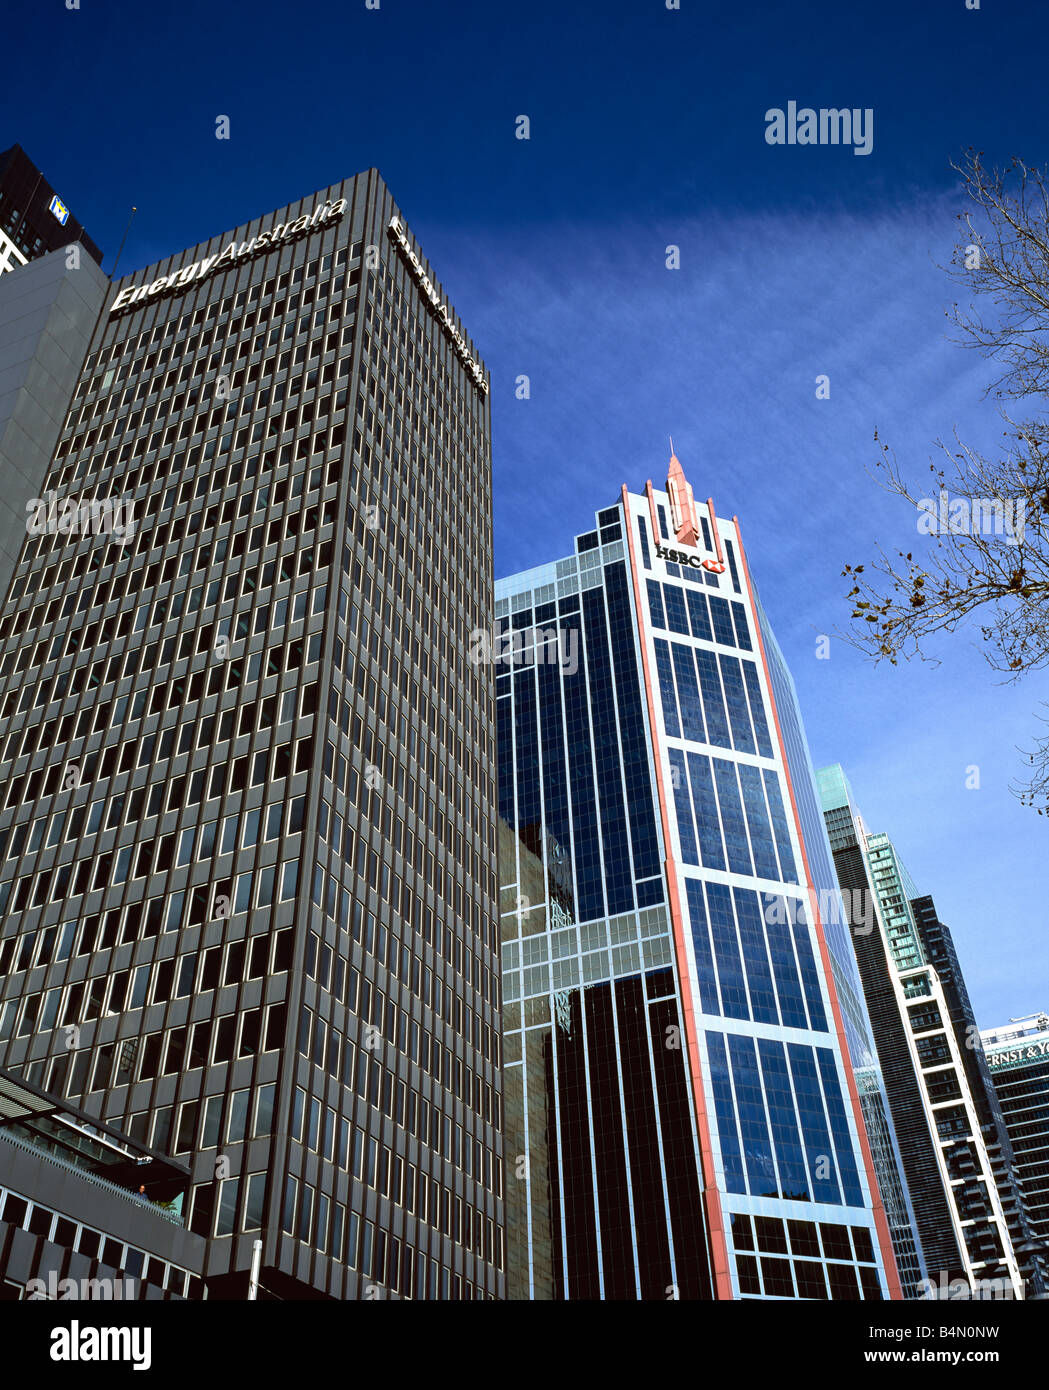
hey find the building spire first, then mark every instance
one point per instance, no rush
(682, 504)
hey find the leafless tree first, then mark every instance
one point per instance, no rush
(982, 553)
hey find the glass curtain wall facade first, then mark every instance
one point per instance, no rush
(681, 1118)
(247, 884)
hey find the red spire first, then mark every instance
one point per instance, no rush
(682, 504)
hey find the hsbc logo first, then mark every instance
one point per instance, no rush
(682, 557)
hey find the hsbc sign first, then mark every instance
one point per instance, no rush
(682, 557)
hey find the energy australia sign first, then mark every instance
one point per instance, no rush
(395, 231)
(133, 296)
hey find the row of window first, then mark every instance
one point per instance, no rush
(694, 613)
(125, 990)
(322, 1131)
(781, 1121)
(717, 699)
(171, 1053)
(754, 956)
(731, 815)
(381, 1258)
(130, 1262)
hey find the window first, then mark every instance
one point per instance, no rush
(255, 1201)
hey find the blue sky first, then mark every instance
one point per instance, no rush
(647, 130)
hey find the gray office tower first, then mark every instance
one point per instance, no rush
(48, 311)
(248, 872)
(950, 1171)
(1017, 1055)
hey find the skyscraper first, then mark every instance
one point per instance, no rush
(48, 311)
(682, 1119)
(949, 1171)
(938, 946)
(33, 218)
(247, 887)
(1018, 1059)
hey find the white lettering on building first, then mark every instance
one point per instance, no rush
(440, 309)
(135, 295)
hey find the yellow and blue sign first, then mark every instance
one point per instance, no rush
(59, 209)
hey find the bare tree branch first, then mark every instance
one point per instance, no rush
(981, 551)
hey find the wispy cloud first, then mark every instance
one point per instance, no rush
(724, 354)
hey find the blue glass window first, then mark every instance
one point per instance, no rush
(697, 912)
(850, 1179)
(787, 871)
(698, 612)
(688, 694)
(736, 699)
(725, 1109)
(757, 708)
(704, 802)
(655, 604)
(642, 531)
(585, 842)
(683, 805)
(713, 702)
(753, 1124)
(722, 620)
(730, 552)
(677, 619)
(527, 749)
(790, 1156)
(555, 782)
(641, 809)
(739, 617)
(726, 952)
(776, 913)
(809, 975)
(619, 877)
(732, 817)
(666, 689)
(755, 956)
(814, 1131)
(765, 865)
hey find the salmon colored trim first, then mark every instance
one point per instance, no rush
(657, 534)
(880, 1220)
(717, 538)
(711, 1196)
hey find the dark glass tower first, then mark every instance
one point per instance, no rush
(682, 1120)
(1018, 1059)
(248, 878)
(33, 218)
